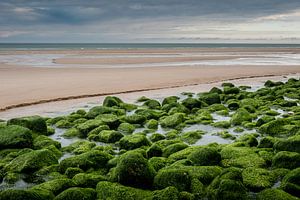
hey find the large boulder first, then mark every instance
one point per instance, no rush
(290, 144)
(78, 194)
(91, 159)
(286, 159)
(179, 178)
(35, 123)
(291, 182)
(172, 120)
(111, 101)
(240, 116)
(32, 161)
(15, 137)
(18, 194)
(108, 190)
(274, 194)
(205, 156)
(55, 186)
(130, 142)
(109, 136)
(258, 178)
(210, 98)
(133, 170)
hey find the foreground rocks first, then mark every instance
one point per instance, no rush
(160, 149)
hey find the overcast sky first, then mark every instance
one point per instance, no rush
(150, 21)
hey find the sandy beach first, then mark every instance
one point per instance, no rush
(87, 73)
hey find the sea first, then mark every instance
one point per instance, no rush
(15, 54)
(61, 46)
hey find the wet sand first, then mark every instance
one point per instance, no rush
(25, 85)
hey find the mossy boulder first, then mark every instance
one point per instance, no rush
(91, 159)
(274, 128)
(134, 170)
(97, 110)
(152, 124)
(240, 116)
(135, 119)
(267, 142)
(291, 182)
(56, 186)
(35, 123)
(89, 125)
(152, 104)
(15, 137)
(179, 178)
(257, 179)
(110, 136)
(210, 98)
(111, 120)
(43, 141)
(173, 148)
(231, 90)
(19, 194)
(191, 137)
(172, 120)
(222, 124)
(165, 194)
(130, 142)
(227, 189)
(32, 161)
(205, 174)
(72, 171)
(191, 103)
(111, 101)
(205, 156)
(72, 132)
(78, 194)
(156, 137)
(170, 99)
(242, 157)
(154, 151)
(87, 180)
(286, 159)
(289, 144)
(108, 190)
(270, 83)
(274, 194)
(126, 128)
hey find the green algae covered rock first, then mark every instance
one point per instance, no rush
(56, 186)
(135, 119)
(231, 90)
(172, 120)
(242, 157)
(43, 141)
(130, 142)
(35, 123)
(126, 128)
(111, 120)
(89, 125)
(258, 179)
(191, 137)
(152, 104)
(205, 156)
(91, 159)
(191, 103)
(178, 178)
(87, 180)
(274, 194)
(291, 182)
(78, 194)
(72, 171)
(173, 148)
(170, 99)
(111, 101)
(115, 191)
(165, 194)
(109, 136)
(289, 144)
(18, 194)
(32, 161)
(134, 170)
(286, 159)
(154, 151)
(228, 189)
(15, 137)
(274, 128)
(152, 124)
(210, 98)
(240, 116)
(97, 110)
